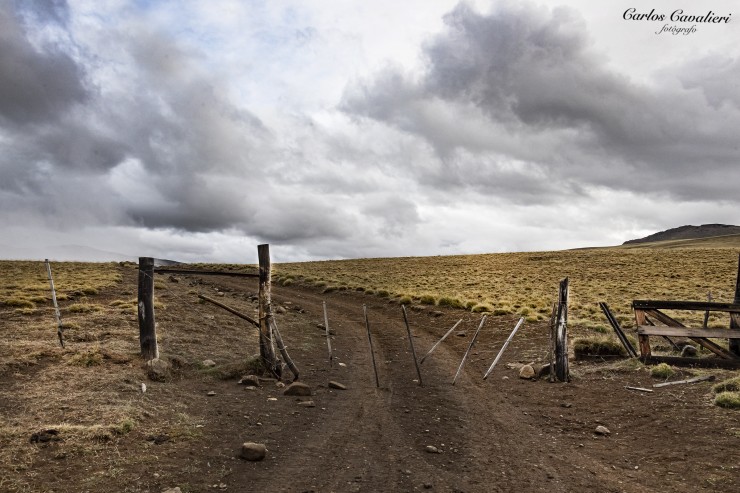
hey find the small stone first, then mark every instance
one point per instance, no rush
(208, 363)
(297, 388)
(689, 351)
(462, 333)
(431, 449)
(173, 490)
(271, 399)
(504, 377)
(602, 430)
(211, 393)
(437, 313)
(280, 385)
(566, 405)
(428, 486)
(342, 364)
(220, 293)
(253, 451)
(307, 404)
(158, 370)
(280, 310)
(143, 388)
(337, 385)
(250, 381)
(526, 372)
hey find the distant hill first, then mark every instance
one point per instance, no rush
(688, 233)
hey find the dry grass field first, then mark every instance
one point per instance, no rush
(526, 283)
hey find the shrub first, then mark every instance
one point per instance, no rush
(383, 293)
(20, 303)
(481, 307)
(731, 385)
(729, 400)
(597, 345)
(451, 302)
(83, 308)
(663, 370)
(405, 300)
(428, 299)
(501, 311)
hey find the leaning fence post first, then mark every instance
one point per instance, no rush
(411, 343)
(267, 350)
(60, 327)
(735, 317)
(147, 331)
(465, 356)
(370, 342)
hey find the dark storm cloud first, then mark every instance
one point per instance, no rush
(517, 103)
(37, 84)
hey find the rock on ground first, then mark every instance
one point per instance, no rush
(253, 451)
(527, 372)
(157, 369)
(337, 385)
(602, 430)
(297, 388)
(173, 490)
(250, 381)
(208, 363)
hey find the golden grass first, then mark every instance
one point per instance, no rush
(526, 283)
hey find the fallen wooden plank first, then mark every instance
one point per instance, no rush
(640, 389)
(657, 330)
(705, 378)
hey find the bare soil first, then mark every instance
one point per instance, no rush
(504, 434)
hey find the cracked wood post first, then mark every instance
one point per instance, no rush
(735, 317)
(561, 334)
(267, 349)
(147, 332)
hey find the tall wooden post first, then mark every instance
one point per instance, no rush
(147, 332)
(267, 348)
(561, 334)
(735, 317)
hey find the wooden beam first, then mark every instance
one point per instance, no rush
(686, 305)
(192, 272)
(60, 327)
(231, 310)
(618, 330)
(147, 332)
(643, 339)
(662, 330)
(735, 317)
(467, 351)
(411, 343)
(705, 343)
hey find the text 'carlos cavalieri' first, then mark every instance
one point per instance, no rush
(679, 16)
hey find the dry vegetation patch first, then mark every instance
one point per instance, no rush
(526, 283)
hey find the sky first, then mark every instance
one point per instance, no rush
(195, 130)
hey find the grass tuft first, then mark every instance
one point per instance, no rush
(731, 385)
(729, 400)
(597, 345)
(663, 370)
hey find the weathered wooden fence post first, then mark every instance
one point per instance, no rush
(147, 332)
(267, 349)
(735, 317)
(561, 334)
(60, 327)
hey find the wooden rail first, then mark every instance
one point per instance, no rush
(160, 270)
(685, 305)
